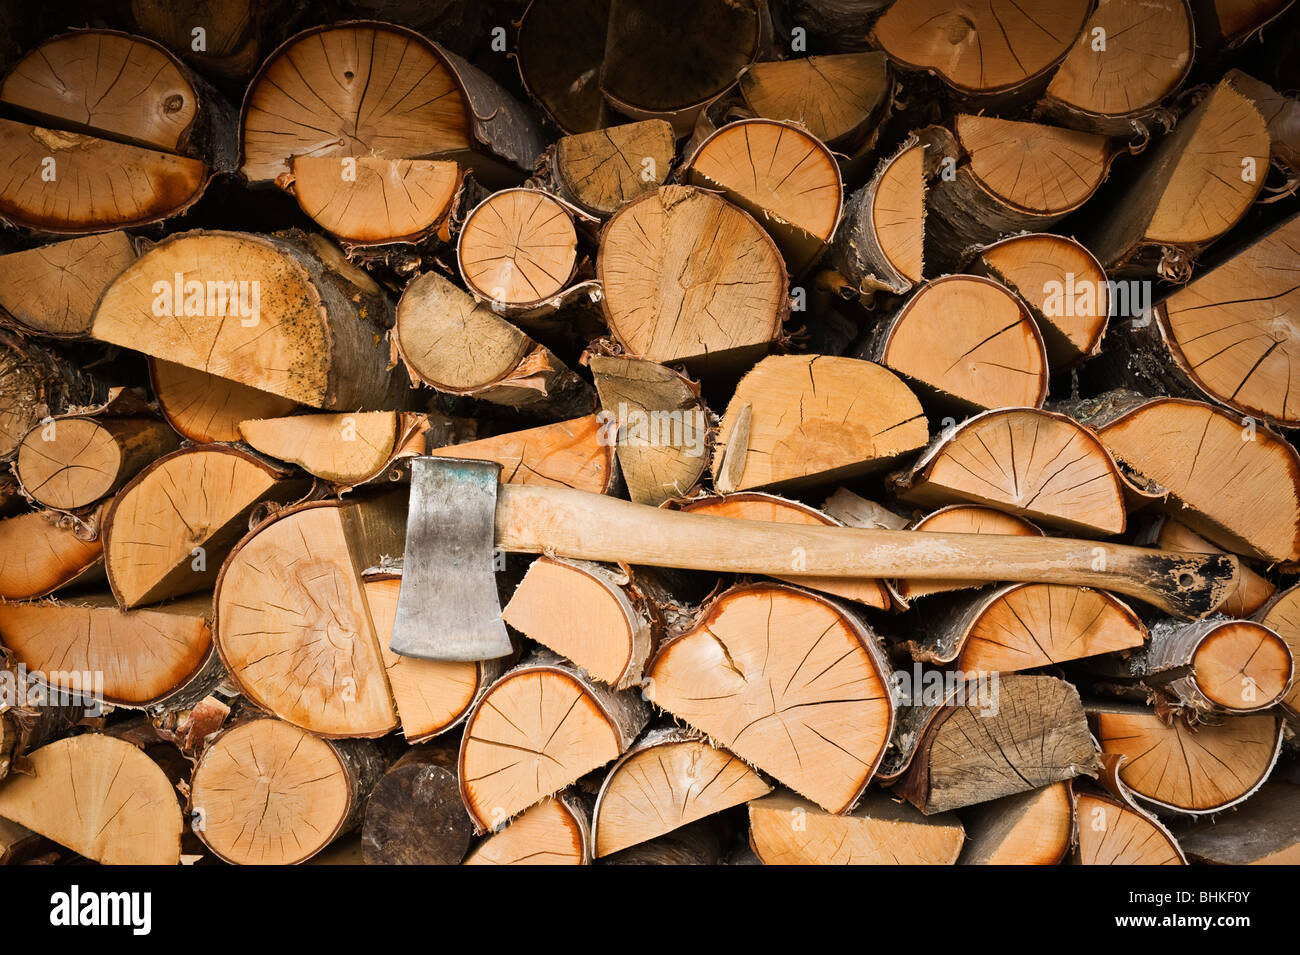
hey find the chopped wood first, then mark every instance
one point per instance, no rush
(52, 290)
(45, 551)
(518, 249)
(1112, 829)
(345, 449)
(1281, 614)
(554, 832)
(834, 97)
(414, 815)
(572, 454)
(1217, 666)
(205, 408)
(36, 383)
(1261, 832)
(600, 170)
(1029, 828)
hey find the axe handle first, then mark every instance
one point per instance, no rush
(578, 524)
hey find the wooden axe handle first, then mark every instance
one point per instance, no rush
(571, 523)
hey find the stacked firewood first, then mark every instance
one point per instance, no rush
(1017, 267)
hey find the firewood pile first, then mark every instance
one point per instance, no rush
(987, 313)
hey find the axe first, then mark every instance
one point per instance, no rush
(461, 516)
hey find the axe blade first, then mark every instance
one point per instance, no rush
(447, 608)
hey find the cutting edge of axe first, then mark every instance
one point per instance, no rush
(461, 517)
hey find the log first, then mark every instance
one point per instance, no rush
(539, 728)
(1225, 23)
(288, 295)
(152, 553)
(833, 24)
(556, 831)
(100, 797)
(1062, 285)
(430, 696)
(983, 740)
(836, 98)
(36, 383)
(45, 551)
(310, 98)
(599, 616)
(1029, 828)
(159, 656)
(755, 506)
(344, 449)
(559, 48)
(690, 278)
(1253, 590)
(722, 677)
(1217, 666)
(39, 715)
(1281, 113)
(965, 342)
(1281, 614)
(1237, 485)
(959, 519)
(980, 49)
(1114, 830)
(1060, 474)
(781, 175)
(266, 792)
(849, 418)
(451, 342)
(52, 290)
(71, 462)
(1193, 187)
(205, 408)
(1023, 627)
(787, 830)
(572, 453)
(600, 170)
(1184, 767)
(700, 843)
(233, 31)
(659, 423)
(345, 196)
(668, 779)
(1261, 832)
(1009, 177)
(414, 815)
(1118, 82)
(291, 619)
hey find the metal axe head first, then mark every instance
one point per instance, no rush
(447, 608)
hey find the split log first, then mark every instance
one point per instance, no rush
(700, 843)
(1252, 592)
(232, 32)
(965, 342)
(782, 176)
(518, 250)
(1010, 177)
(45, 551)
(690, 278)
(1114, 830)
(1217, 666)
(151, 553)
(960, 519)
(52, 290)
(1188, 768)
(600, 170)
(1062, 285)
(205, 408)
(369, 89)
(364, 200)
(787, 830)
(826, 667)
(980, 49)
(71, 462)
(989, 738)
(554, 832)
(565, 454)
(283, 314)
(800, 419)
(1281, 113)
(836, 98)
(660, 426)
(431, 696)
(1035, 464)
(1237, 485)
(848, 508)
(539, 728)
(1193, 187)
(559, 48)
(345, 449)
(1228, 335)
(451, 342)
(600, 617)
(1281, 614)
(1126, 64)
(833, 24)
(414, 815)
(36, 383)
(291, 619)
(139, 658)
(1261, 832)
(754, 506)
(1030, 828)
(1230, 23)
(1024, 626)
(668, 779)
(267, 793)
(100, 797)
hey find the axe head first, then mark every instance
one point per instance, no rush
(447, 608)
